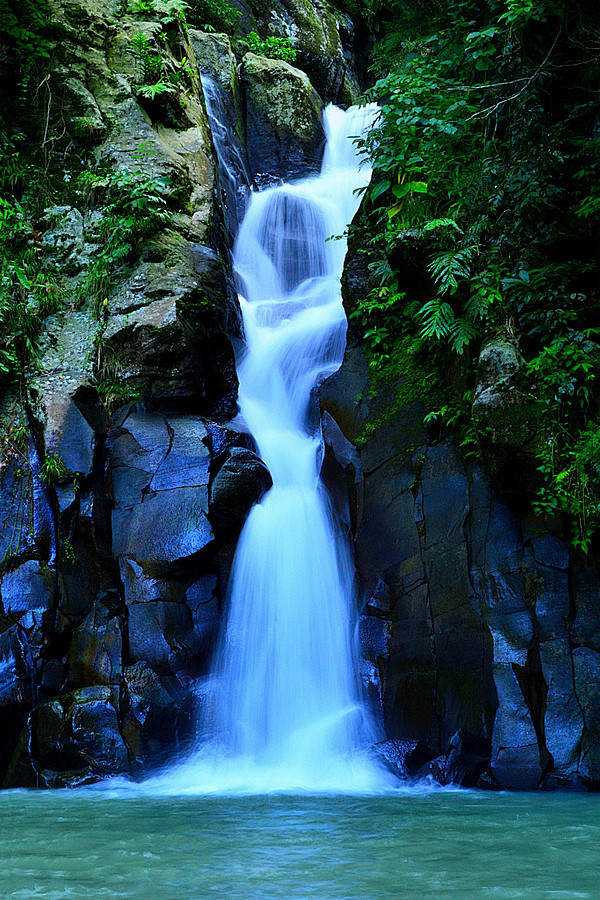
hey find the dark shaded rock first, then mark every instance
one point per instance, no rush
(91, 731)
(374, 636)
(230, 434)
(341, 473)
(162, 635)
(202, 599)
(586, 599)
(404, 759)
(587, 690)
(345, 395)
(497, 572)
(504, 412)
(17, 541)
(17, 669)
(399, 757)
(95, 656)
(464, 764)
(156, 716)
(240, 482)
(68, 436)
(71, 740)
(285, 137)
(142, 585)
(80, 553)
(378, 600)
(27, 593)
(549, 551)
(166, 527)
(159, 480)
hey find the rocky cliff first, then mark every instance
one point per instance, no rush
(125, 476)
(480, 623)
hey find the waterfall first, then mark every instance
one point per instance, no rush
(234, 174)
(286, 710)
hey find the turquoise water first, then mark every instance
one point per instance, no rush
(439, 844)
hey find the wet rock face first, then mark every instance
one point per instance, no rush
(105, 630)
(241, 480)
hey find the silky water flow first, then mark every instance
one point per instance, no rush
(282, 708)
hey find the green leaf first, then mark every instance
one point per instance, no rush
(401, 190)
(441, 223)
(380, 189)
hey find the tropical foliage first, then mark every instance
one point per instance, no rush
(485, 210)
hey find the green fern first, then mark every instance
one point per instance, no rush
(450, 267)
(151, 91)
(437, 319)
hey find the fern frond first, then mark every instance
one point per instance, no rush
(437, 319)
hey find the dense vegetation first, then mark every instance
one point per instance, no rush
(45, 162)
(482, 220)
(27, 292)
(483, 223)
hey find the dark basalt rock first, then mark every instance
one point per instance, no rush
(74, 739)
(464, 764)
(240, 482)
(156, 715)
(404, 759)
(493, 623)
(96, 651)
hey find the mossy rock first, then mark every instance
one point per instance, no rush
(285, 136)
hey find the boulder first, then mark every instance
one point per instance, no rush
(240, 482)
(285, 136)
(504, 411)
(71, 740)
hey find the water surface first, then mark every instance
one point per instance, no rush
(438, 844)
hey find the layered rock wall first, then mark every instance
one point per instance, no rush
(124, 479)
(480, 623)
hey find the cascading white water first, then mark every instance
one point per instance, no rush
(290, 698)
(286, 712)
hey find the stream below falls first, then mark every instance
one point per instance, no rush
(433, 844)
